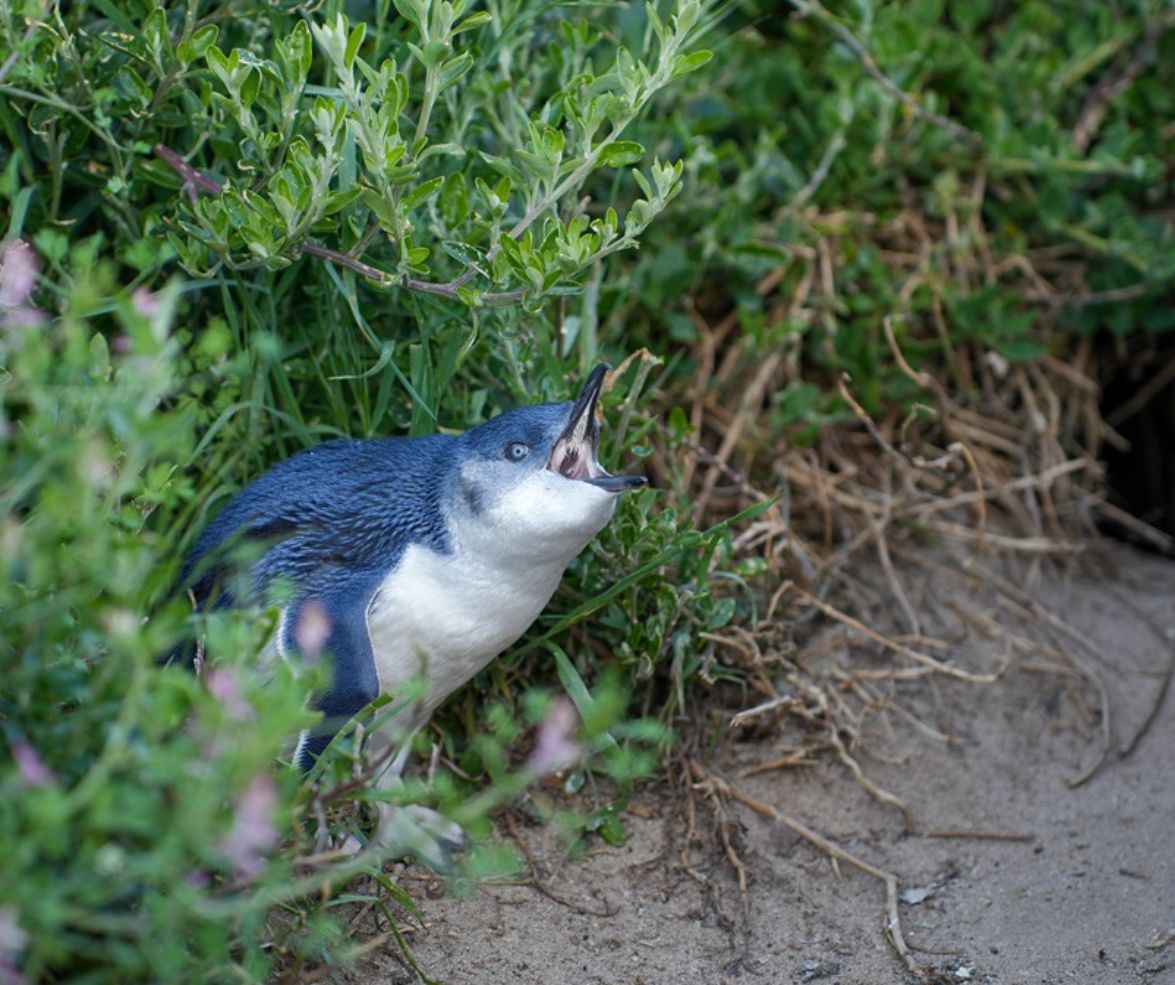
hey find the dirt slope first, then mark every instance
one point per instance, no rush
(1086, 895)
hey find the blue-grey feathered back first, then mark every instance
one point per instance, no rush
(353, 505)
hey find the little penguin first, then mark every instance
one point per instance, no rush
(418, 558)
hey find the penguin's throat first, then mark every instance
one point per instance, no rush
(575, 459)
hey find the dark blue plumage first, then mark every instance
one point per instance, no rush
(332, 510)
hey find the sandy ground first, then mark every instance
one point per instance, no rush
(1082, 892)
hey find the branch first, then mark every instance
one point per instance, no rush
(817, 10)
(656, 82)
(545, 203)
(346, 260)
(1110, 88)
(493, 299)
(195, 183)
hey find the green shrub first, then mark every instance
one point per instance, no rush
(407, 228)
(152, 839)
(1047, 226)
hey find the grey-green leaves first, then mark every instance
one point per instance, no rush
(380, 149)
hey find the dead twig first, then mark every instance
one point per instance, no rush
(1128, 746)
(792, 758)
(893, 923)
(928, 662)
(1164, 542)
(1142, 396)
(1029, 608)
(752, 399)
(536, 882)
(1022, 484)
(713, 792)
(747, 714)
(194, 181)
(979, 835)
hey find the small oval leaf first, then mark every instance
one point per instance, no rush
(684, 64)
(621, 153)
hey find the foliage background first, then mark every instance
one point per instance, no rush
(992, 180)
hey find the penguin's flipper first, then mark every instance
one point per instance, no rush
(333, 623)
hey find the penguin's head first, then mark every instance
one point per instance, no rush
(534, 473)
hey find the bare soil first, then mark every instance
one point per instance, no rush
(1006, 874)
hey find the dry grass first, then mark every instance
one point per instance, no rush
(888, 526)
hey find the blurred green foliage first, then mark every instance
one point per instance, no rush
(405, 217)
(797, 155)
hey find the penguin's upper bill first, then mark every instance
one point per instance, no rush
(576, 452)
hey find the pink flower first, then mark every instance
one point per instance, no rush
(18, 276)
(19, 264)
(145, 303)
(223, 686)
(12, 942)
(34, 772)
(555, 747)
(253, 833)
(312, 630)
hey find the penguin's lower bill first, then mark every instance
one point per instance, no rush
(575, 453)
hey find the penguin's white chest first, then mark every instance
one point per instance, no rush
(443, 617)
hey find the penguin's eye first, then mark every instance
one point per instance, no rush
(516, 451)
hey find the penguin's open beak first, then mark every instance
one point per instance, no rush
(575, 453)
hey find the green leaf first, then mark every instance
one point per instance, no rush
(380, 207)
(411, 10)
(455, 68)
(432, 53)
(463, 253)
(156, 33)
(250, 87)
(301, 38)
(552, 141)
(472, 21)
(131, 80)
(337, 201)
(99, 356)
(722, 613)
(611, 828)
(622, 153)
(454, 200)
(195, 46)
(421, 193)
(218, 62)
(353, 42)
(512, 253)
(441, 150)
(52, 244)
(505, 168)
(684, 64)
(1019, 350)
